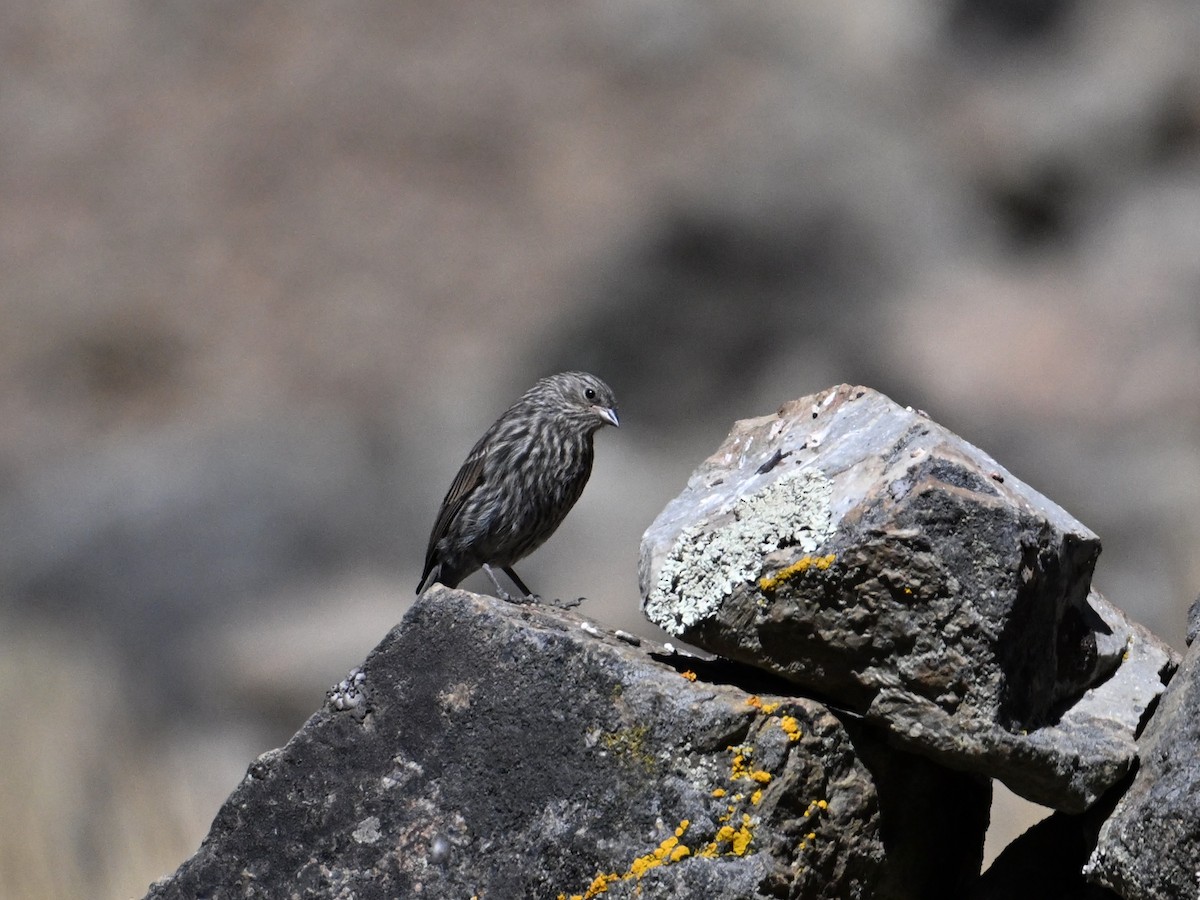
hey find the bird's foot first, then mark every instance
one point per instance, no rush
(518, 599)
(560, 603)
(501, 593)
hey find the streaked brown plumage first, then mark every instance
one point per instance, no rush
(519, 481)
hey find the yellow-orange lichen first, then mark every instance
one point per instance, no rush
(740, 770)
(757, 703)
(791, 727)
(799, 567)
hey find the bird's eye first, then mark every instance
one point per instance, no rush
(590, 394)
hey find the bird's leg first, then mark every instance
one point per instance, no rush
(500, 592)
(529, 595)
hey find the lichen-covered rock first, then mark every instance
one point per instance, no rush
(1149, 849)
(856, 548)
(501, 751)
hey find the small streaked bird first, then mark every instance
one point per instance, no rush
(519, 481)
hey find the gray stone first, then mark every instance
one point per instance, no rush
(860, 550)
(1149, 849)
(503, 751)
(1093, 743)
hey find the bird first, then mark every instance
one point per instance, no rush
(519, 481)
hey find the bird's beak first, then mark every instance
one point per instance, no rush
(608, 414)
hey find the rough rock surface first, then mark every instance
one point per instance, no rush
(500, 751)
(1149, 849)
(859, 549)
(1093, 742)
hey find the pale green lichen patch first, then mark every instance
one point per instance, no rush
(630, 744)
(709, 560)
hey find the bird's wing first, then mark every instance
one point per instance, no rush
(467, 479)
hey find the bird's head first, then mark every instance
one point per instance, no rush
(580, 398)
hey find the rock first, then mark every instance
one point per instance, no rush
(1093, 743)
(503, 751)
(933, 820)
(1149, 849)
(862, 551)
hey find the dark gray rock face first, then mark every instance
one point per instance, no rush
(1149, 849)
(501, 751)
(854, 547)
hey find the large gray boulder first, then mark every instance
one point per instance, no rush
(859, 550)
(501, 751)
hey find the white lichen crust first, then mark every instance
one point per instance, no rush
(707, 561)
(350, 694)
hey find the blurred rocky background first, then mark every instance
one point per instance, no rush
(267, 270)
